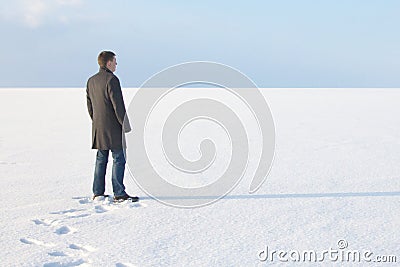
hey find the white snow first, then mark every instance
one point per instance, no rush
(336, 175)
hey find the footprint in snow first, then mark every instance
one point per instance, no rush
(78, 216)
(66, 211)
(87, 200)
(101, 209)
(57, 254)
(124, 265)
(45, 222)
(31, 241)
(63, 230)
(65, 264)
(84, 201)
(82, 248)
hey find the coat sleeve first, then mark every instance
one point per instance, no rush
(89, 101)
(117, 100)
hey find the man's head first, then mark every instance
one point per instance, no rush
(106, 59)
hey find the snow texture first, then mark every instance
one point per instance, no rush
(336, 175)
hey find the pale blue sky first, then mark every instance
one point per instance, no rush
(341, 43)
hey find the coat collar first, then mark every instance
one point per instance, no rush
(105, 69)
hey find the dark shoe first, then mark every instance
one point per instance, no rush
(126, 197)
(101, 195)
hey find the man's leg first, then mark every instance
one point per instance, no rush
(99, 183)
(118, 170)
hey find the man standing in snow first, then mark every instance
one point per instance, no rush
(107, 110)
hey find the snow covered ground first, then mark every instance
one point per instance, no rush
(336, 176)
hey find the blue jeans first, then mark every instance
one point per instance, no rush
(118, 170)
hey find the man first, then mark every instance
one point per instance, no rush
(107, 110)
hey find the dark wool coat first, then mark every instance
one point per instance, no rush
(106, 107)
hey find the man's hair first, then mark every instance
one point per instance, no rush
(104, 57)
